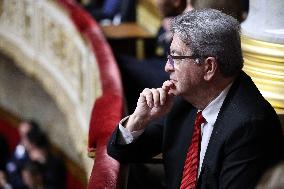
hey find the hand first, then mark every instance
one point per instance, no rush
(37, 155)
(152, 104)
(3, 180)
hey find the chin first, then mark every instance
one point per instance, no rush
(174, 92)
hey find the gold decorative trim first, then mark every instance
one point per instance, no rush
(263, 49)
(264, 62)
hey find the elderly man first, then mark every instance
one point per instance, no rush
(215, 129)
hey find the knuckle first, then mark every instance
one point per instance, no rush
(146, 90)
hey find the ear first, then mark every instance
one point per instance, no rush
(210, 68)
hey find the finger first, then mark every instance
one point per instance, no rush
(156, 97)
(167, 85)
(163, 96)
(142, 99)
(149, 97)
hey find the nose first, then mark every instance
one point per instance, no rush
(168, 67)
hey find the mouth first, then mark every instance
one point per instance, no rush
(173, 81)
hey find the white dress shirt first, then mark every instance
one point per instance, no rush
(210, 114)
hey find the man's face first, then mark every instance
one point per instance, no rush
(24, 128)
(186, 75)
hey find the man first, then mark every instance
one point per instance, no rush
(217, 131)
(20, 155)
(32, 175)
(54, 170)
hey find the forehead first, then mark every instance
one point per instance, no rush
(178, 46)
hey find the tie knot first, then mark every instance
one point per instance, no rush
(199, 118)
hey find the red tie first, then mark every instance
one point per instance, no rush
(190, 169)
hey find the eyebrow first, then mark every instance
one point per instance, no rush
(175, 51)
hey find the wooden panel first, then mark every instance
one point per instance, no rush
(125, 30)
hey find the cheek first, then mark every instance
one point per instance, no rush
(187, 74)
(189, 81)
(184, 81)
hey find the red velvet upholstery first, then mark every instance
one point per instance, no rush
(10, 134)
(108, 109)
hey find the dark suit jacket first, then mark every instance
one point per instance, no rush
(245, 140)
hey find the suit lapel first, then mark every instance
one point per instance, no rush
(215, 139)
(219, 130)
(187, 130)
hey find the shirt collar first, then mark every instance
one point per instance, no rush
(211, 111)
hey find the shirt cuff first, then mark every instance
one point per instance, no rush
(125, 136)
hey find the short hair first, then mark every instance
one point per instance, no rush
(33, 124)
(209, 32)
(38, 139)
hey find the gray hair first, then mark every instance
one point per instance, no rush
(209, 32)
